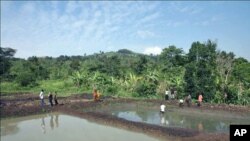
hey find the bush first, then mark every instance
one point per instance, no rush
(112, 89)
(144, 89)
(26, 79)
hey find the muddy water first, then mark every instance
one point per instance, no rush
(60, 127)
(203, 120)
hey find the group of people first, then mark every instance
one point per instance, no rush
(188, 100)
(51, 98)
(172, 93)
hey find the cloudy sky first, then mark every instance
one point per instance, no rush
(54, 28)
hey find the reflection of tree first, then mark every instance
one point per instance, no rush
(222, 127)
(9, 128)
(176, 120)
(142, 114)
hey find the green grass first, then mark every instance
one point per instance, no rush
(63, 88)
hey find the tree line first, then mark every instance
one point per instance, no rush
(204, 69)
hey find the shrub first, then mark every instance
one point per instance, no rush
(26, 79)
(144, 89)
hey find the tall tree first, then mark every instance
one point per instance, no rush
(172, 57)
(200, 71)
(141, 65)
(224, 63)
(5, 55)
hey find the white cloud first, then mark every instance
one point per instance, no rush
(153, 50)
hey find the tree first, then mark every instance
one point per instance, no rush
(21, 71)
(141, 65)
(224, 63)
(172, 57)
(200, 71)
(5, 55)
(37, 68)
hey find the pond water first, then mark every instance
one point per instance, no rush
(203, 120)
(61, 127)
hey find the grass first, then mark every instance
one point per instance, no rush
(62, 87)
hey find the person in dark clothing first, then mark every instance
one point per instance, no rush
(188, 100)
(55, 98)
(166, 95)
(50, 99)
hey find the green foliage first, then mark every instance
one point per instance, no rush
(128, 74)
(200, 71)
(145, 89)
(5, 55)
(171, 57)
(26, 79)
(141, 65)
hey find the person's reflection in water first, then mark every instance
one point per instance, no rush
(200, 126)
(162, 119)
(51, 122)
(56, 121)
(43, 126)
(182, 121)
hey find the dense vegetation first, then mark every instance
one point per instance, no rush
(127, 74)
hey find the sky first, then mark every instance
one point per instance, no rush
(54, 28)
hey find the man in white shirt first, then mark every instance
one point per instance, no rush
(163, 108)
(181, 101)
(41, 95)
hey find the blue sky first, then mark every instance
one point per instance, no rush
(54, 28)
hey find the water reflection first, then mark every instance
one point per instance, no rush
(53, 122)
(183, 120)
(8, 128)
(43, 126)
(56, 120)
(200, 126)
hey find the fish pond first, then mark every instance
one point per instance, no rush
(62, 127)
(209, 121)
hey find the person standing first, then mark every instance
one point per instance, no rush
(188, 100)
(41, 95)
(95, 95)
(225, 97)
(50, 99)
(181, 103)
(166, 95)
(200, 97)
(162, 108)
(55, 98)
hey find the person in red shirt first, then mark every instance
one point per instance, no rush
(95, 95)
